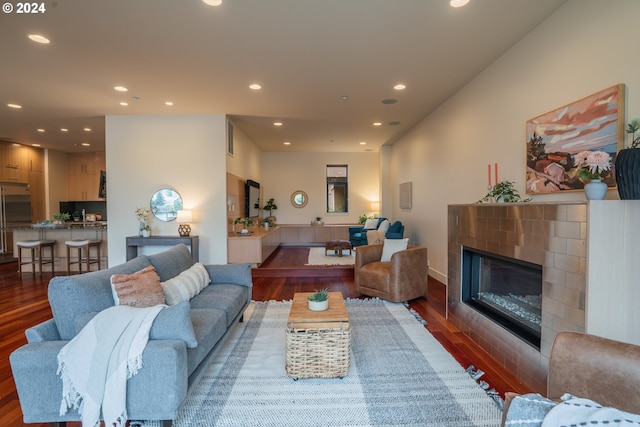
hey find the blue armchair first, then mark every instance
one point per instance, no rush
(358, 235)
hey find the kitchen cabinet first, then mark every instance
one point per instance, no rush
(84, 175)
(14, 160)
(36, 182)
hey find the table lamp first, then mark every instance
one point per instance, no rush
(183, 219)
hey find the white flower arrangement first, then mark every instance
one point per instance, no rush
(142, 214)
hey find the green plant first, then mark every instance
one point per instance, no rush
(146, 227)
(318, 218)
(244, 221)
(633, 127)
(363, 218)
(270, 206)
(76, 216)
(319, 295)
(269, 221)
(505, 192)
(60, 216)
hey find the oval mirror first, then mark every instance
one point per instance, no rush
(165, 204)
(299, 199)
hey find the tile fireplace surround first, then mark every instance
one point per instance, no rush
(590, 272)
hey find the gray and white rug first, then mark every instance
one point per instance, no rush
(399, 376)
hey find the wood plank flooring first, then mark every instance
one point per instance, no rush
(23, 303)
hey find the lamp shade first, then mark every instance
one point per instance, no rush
(184, 217)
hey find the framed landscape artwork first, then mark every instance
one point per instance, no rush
(594, 123)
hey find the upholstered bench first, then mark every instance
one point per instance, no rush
(338, 246)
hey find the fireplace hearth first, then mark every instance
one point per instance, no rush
(507, 290)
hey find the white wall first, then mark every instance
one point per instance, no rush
(185, 153)
(246, 161)
(586, 46)
(284, 173)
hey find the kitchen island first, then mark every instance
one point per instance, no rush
(61, 233)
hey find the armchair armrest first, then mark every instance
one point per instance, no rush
(45, 331)
(355, 229)
(411, 268)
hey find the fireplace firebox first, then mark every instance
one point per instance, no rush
(507, 290)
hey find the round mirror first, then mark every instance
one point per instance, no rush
(165, 204)
(299, 199)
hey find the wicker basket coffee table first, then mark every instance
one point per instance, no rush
(318, 343)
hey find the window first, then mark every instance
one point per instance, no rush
(337, 189)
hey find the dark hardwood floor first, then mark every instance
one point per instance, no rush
(23, 303)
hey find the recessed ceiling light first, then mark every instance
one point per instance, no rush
(344, 97)
(39, 38)
(87, 129)
(277, 123)
(86, 144)
(64, 130)
(363, 143)
(377, 123)
(35, 145)
(16, 106)
(169, 104)
(458, 3)
(40, 130)
(395, 123)
(389, 101)
(120, 88)
(124, 104)
(212, 2)
(286, 143)
(400, 86)
(255, 86)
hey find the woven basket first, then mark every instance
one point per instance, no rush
(628, 173)
(318, 353)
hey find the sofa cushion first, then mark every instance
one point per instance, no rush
(172, 323)
(84, 293)
(371, 224)
(209, 325)
(171, 262)
(375, 275)
(384, 226)
(391, 246)
(186, 285)
(230, 298)
(140, 289)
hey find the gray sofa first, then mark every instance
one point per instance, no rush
(182, 338)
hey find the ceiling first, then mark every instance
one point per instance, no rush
(325, 67)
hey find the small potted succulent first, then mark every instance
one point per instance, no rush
(246, 222)
(319, 300)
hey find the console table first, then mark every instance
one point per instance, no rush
(134, 242)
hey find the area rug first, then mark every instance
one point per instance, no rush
(317, 257)
(399, 376)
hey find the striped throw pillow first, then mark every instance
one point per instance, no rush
(186, 285)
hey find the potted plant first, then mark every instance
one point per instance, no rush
(76, 216)
(271, 206)
(317, 221)
(592, 167)
(319, 300)
(503, 191)
(246, 222)
(146, 230)
(628, 165)
(61, 217)
(363, 218)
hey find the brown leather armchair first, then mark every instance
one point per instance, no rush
(403, 278)
(592, 367)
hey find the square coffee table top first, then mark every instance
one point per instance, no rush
(301, 317)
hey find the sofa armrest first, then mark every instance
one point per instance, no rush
(45, 331)
(159, 386)
(236, 274)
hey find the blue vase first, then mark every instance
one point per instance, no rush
(595, 189)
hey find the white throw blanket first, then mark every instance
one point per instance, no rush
(96, 363)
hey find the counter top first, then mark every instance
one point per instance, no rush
(67, 226)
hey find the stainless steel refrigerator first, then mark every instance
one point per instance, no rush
(15, 211)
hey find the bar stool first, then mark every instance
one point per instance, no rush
(80, 245)
(37, 254)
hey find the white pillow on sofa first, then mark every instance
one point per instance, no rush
(186, 285)
(371, 224)
(391, 246)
